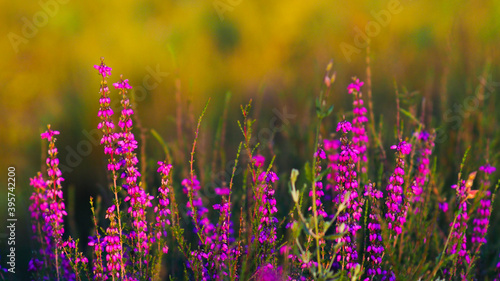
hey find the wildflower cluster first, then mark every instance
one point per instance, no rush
(342, 233)
(423, 171)
(396, 213)
(360, 136)
(347, 184)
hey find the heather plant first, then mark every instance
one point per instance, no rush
(354, 212)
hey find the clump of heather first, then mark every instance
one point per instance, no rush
(319, 155)
(426, 144)
(315, 242)
(347, 184)
(267, 209)
(360, 136)
(113, 245)
(375, 249)
(97, 243)
(331, 148)
(458, 244)
(48, 211)
(481, 221)
(163, 211)
(197, 211)
(137, 197)
(396, 213)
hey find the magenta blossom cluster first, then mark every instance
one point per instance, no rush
(137, 197)
(221, 251)
(163, 211)
(54, 217)
(107, 125)
(267, 208)
(48, 211)
(458, 238)
(360, 135)
(396, 213)
(113, 244)
(319, 155)
(375, 248)
(347, 184)
(423, 171)
(482, 219)
(331, 148)
(197, 211)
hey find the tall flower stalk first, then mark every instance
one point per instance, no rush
(396, 212)
(109, 140)
(331, 148)
(54, 217)
(458, 238)
(375, 249)
(137, 197)
(48, 206)
(360, 135)
(423, 171)
(347, 184)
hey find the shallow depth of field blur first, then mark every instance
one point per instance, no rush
(273, 52)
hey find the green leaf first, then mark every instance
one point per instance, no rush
(308, 171)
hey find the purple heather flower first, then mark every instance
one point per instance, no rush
(113, 244)
(320, 209)
(48, 210)
(396, 213)
(222, 191)
(360, 135)
(267, 207)
(197, 211)
(103, 69)
(443, 206)
(259, 160)
(488, 169)
(163, 211)
(375, 248)
(423, 171)
(458, 237)
(107, 127)
(347, 182)
(482, 219)
(123, 84)
(49, 134)
(355, 86)
(320, 153)
(331, 147)
(137, 197)
(344, 126)
(403, 147)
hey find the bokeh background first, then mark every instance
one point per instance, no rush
(273, 52)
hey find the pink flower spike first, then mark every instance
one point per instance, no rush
(103, 69)
(122, 85)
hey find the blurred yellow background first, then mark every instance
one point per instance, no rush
(48, 48)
